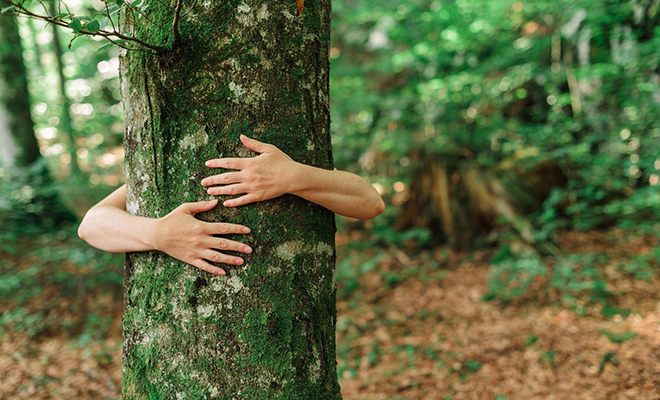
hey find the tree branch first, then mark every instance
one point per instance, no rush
(20, 10)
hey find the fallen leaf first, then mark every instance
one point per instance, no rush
(300, 4)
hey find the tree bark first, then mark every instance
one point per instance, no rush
(266, 330)
(18, 143)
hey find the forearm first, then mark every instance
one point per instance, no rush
(339, 191)
(112, 229)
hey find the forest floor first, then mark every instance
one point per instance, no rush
(414, 325)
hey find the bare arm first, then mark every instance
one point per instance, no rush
(109, 227)
(272, 173)
(339, 191)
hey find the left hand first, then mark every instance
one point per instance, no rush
(266, 176)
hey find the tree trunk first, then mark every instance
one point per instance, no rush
(18, 143)
(459, 201)
(266, 330)
(65, 112)
(20, 150)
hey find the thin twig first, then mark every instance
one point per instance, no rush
(175, 23)
(103, 33)
(44, 6)
(65, 6)
(107, 11)
(122, 46)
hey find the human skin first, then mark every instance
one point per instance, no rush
(272, 173)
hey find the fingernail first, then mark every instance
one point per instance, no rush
(208, 163)
(247, 249)
(209, 191)
(239, 261)
(221, 272)
(246, 230)
(203, 181)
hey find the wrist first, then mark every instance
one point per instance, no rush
(151, 229)
(298, 179)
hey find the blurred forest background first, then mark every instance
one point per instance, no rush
(517, 147)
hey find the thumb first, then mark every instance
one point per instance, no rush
(199, 206)
(253, 144)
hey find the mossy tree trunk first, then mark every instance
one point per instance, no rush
(267, 329)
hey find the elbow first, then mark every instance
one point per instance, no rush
(83, 228)
(380, 207)
(377, 208)
(82, 231)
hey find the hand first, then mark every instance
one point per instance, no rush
(266, 176)
(190, 240)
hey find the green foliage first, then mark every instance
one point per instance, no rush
(642, 266)
(57, 264)
(580, 274)
(619, 337)
(531, 340)
(488, 81)
(30, 202)
(611, 358)
(512, 275)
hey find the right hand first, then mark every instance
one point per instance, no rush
(190, 240)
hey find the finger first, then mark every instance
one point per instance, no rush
(217, 257)
(222, 179)
(241, 201)
(199, 206)
(236, 188)
(204, 265)
(254, 144)
(226, 244)
(223, 228)
(228, 163)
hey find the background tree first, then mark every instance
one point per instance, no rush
(19, 145)
(40, 205)
(65, 108)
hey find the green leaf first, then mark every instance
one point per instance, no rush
(120, 3)
(93, 26)
(75, 25)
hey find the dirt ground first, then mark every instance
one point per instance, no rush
(428, 336)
